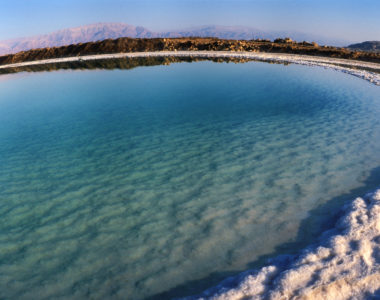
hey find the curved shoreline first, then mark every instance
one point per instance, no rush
(365, 70)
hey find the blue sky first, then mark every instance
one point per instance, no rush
(346, 19)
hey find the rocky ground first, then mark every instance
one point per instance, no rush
(124, 45)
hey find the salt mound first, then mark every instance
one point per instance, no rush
(346, 265)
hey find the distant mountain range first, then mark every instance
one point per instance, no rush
(366, 46)
(82, 34)
(101, 31)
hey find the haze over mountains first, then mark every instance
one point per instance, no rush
(373, 46)
(101, 31)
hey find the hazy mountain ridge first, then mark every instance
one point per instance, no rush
(75, 35)
(248, 33)
(366, 46)
(101, 31)
(223, 32)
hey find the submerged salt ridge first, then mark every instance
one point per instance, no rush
(352, 67)
(346, 265)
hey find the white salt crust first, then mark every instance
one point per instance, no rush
(345, 265)
(353, 67)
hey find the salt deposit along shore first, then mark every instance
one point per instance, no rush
(365, 70)
(345, 264)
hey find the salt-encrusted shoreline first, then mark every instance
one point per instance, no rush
(345, 264)
(359, 69)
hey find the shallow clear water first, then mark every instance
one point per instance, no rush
(126, 184)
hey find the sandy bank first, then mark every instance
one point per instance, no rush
(365, 70)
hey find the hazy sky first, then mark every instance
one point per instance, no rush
(346, 19)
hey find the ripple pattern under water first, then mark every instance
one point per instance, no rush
(125, 184)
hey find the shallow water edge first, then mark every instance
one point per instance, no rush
(345, 265)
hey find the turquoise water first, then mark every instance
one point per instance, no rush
(127, 184)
